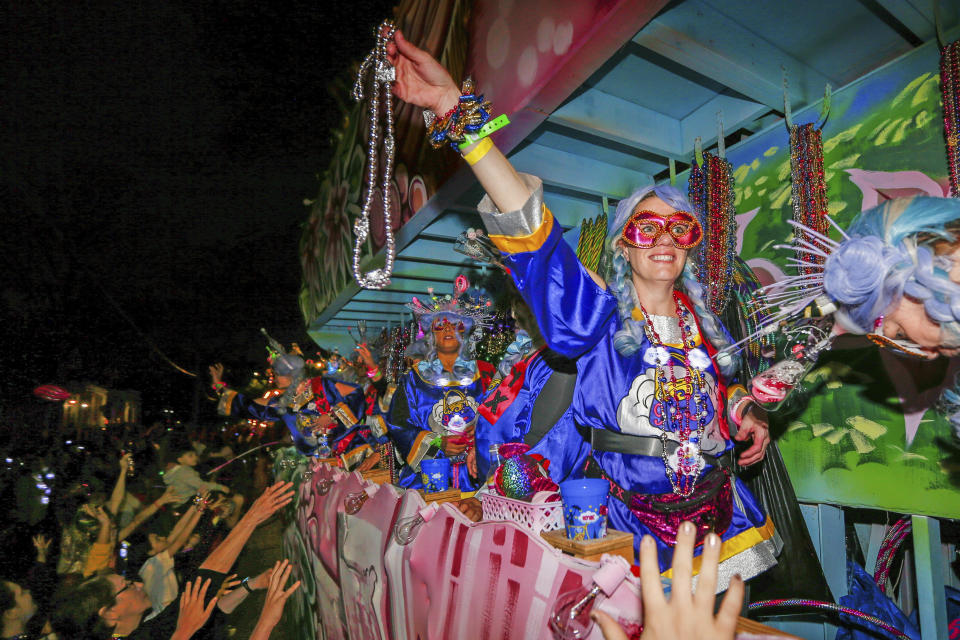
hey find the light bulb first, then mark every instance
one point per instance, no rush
(406, 529)
(571, 614)
(354, 502)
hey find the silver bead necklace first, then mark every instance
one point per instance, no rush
(383, 76)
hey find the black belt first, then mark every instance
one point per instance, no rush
(617, 442)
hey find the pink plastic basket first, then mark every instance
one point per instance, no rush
(536, 517)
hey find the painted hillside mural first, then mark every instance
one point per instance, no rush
(867, 436)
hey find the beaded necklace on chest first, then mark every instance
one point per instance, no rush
(684, 415)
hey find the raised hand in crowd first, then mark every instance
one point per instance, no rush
(277, 595)
(42, 544)
(686, 615)
(193, 612)
(216, 373)
(273, 498)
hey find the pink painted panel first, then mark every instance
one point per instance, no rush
(396, 566)
(363, 579)
(488, 580)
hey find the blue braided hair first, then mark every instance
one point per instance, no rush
(620, 280)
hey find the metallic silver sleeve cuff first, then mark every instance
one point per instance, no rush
(522, 222)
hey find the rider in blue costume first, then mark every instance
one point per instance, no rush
(434, 409)
(650, 398)
(322, 414)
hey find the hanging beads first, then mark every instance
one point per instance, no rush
(681, 414)
(949, 85)
(710, 192)
(383, 76)
(809, 190)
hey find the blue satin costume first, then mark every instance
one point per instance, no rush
(578, 319)
(506, 411)
(349, 437)
(416, 418)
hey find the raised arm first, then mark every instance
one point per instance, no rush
(423, 81)
(120, 488)
(571, 304)
(223, 557)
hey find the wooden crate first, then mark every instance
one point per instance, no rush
(450, 495)
(618, 543)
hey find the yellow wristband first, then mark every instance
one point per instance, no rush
(482, 148)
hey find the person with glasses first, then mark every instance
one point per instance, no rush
(433, 412)
(112, 606)
(652, 399)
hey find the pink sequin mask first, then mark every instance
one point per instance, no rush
(645, 228)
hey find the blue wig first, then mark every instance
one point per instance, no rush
(888, 254)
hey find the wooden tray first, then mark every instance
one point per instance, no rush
(379, 476)
(746, 625)
(450, 495)
(618, 543)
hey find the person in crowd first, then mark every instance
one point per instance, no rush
(185, 482)
(16, 609)
(651, 400)
(110, 605)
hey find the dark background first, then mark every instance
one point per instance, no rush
(156, 156)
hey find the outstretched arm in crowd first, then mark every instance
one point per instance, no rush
(120, 488)
(275, 497)
(147, 512)
(686, 615)
(277, 596)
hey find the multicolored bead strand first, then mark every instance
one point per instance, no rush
(680, 419)
(710, 191)
(809, 189)
(949, 86)
(829, 606)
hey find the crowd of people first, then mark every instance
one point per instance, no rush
(129, 539)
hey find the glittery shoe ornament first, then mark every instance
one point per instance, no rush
(522, 475)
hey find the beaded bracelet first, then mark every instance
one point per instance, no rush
(468, 117)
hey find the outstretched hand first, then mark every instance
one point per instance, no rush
(420, 79)
(686, 614)
(216, 373)
(277, 594)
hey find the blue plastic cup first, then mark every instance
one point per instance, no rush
(585, 508)
(435, 474)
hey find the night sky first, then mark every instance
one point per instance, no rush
(156, 158)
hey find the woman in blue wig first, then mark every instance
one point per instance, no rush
(651, 399)
(433, 412)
